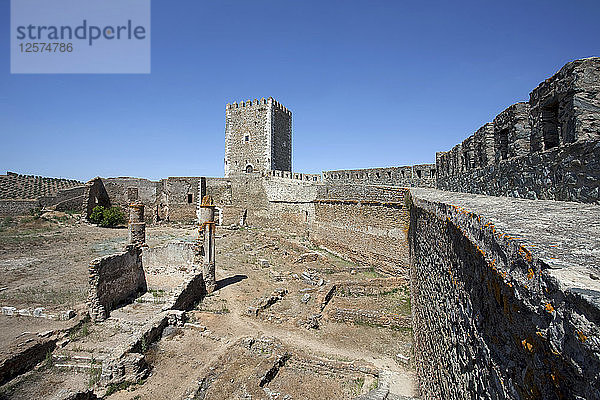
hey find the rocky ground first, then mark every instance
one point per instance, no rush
(288, 321)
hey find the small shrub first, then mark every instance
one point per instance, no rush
(48, 361)
(95, 373)
(97, 215)
(107, 217)
(79, 333)
(112, 217)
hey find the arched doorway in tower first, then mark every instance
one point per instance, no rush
(249, 169)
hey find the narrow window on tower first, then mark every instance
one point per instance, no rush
(190, 198)
(503, 144)
(550, 126)
(246, 138)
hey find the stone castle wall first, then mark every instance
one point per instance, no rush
(181, 196)
(65, 199)
(544, 149)
(265, 201)
(507, 309)
(116, 190)
(422, 175)
(173, 198)
(295, 175)
(370, 230)
(281, 131)
(567, 173)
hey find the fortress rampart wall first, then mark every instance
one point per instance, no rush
(422, 175)
(548, 148)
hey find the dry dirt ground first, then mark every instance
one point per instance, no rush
(261, 335)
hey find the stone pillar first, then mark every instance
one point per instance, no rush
(207, 230)
(206, 211)
(137, 226)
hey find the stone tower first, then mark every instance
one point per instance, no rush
(258, 137)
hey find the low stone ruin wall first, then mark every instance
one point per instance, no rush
(371, 287)
(22, 355)
(114, 279)
(173, 265)
(504, 308)
(11, 207)
(369, 317)
(163, 259)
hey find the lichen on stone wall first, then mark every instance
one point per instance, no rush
(491, 319)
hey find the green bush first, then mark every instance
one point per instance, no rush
(97, 215)
(112, 217)
(107, 217)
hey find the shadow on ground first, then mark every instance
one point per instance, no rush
(230, 281)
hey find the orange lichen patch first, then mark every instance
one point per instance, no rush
(207, 201)
(581, 336)
(480, 251)
(530, 274)
(526, 254)
(540, 334)
(549, 307)
(527, 345)
(509, 284)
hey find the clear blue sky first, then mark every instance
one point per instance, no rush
(370, 83)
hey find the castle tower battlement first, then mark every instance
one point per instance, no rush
(258, 137)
